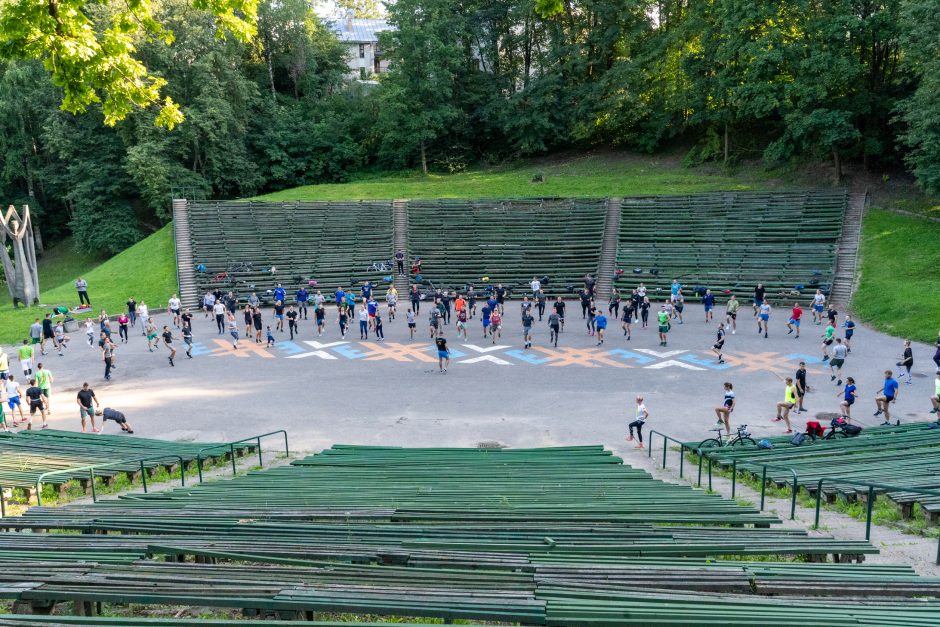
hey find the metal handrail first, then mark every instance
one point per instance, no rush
(231, 447)
(91, 473)
(666, 440)
(871, 499)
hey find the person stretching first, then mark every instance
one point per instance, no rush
(886, 395)
(639, 418)
(724, 410)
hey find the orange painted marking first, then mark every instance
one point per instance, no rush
(399, 352)
(587, 357)
(245, 349)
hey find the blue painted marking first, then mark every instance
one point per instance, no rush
(289, 347)
(626, 355)
(349, 352)
(200, 349)
(704, 362)
(531, 358)
(454, 353)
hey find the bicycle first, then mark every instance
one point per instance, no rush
(380, 266)
(743, 437)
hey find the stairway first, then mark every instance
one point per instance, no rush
(400, 242)
(846, 275)
(185, 267)
(608, 258)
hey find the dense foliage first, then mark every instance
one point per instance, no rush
(479, 80)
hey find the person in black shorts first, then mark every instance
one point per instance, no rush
(168, 342)
(47, 334)
(500, 297)
(116, 416)
(292, 321)
(585, 297)
(627, 319)
(415, 297)
(553, 327)
(719, 343)
(443, 353)
(800, 378)
(319, 314)
(559, 308)
(759, 292)
(613, 305)
(645, 311)
(832, 314)
(35, 397)
(257, 323)
(540, 303)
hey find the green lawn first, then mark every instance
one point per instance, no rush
(146, 270)
(899, 292)
(591, 175)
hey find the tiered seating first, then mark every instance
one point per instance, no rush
(565, 536)
(509, 241)
(907, 456)
(731, 241)
(333, 243)
(27, 455)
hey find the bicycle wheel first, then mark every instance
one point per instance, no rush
(743, 441)
(710, 443)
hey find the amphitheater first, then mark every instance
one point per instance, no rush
(212, 531)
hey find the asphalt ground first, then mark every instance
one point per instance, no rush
(326, 390)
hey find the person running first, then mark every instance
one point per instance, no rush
(35, 336)
(47, 334)
(372, 308)
(279, 315)
(14, 396)
(188, 337)
(763, 318)
(26, 353)
(218, 309)
(61, 339)
(885, 396)
(794, 323)
(343, 320)
(759, 292)
(123, 322)
(626, 320)
(496, 326)
(391, 302)
(731, 313)
(838, 359)
(35, 398)
(800, 379)
(247, 315)
(379, 332)
(462, 320)
(131, 305)
(788, 403)
(613, 304)
(828, 339)
(89, 328)
(645, 311)
(350, 303)
(208, 304)
(87, 401)
(679, 306)
(339, 297)
(554, 327)
(434, 322)
(585, 298)
(536, 285)
(168, 342)
(443, 353)
(540, 303)
(663, 319)
(232, 331)
(3, 416)
(719, 344)
(44, 380)
(107, 347)
(257, 323)
(670, 309)
(819, 306)
(559, 307)
(708, 302)
(471, 301)
(936, 355)
(525, 305)
(848, 394)
(292, 321)
(175, 305)
(485, 314)
(4, 365)
(302, 297)
(319, 300)
(600, 322)
(849, 325)
(639, 419)
(446, 304)
(907, 361)
(143, 312)
(501, 298)
(116, 416)
(674, 290)
(415, 297)
(319, 316)
(270, 337)
(589, 284)
(832, 314)
(151, 331)
(412, 324)
(723, 411)
(591, 319)
(935, 399)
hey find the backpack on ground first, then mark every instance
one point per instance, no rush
(765, 443)
(814, 429)
(798, 439)
(851, 430)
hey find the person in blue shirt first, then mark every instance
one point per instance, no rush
(302, 296)
(339, 297)
(890, 393)
(600, 322)
(674, 290)
(708, 300)
(367, 290)
(372, 307)
(849, 331)
(848, 398)
(279, 293)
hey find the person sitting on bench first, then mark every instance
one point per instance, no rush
(113, 414)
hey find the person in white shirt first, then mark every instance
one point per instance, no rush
(219, 310)
(143, 312)
(536, 286)
(819, 304)
(639, 419)
(208, 302)
(175, 305)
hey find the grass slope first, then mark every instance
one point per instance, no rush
(590, 175)
(899, 291)
(146, 270)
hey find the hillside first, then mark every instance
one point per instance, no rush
(146, 270)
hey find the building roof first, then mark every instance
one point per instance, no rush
(359, 30)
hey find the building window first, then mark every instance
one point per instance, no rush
(362, 51)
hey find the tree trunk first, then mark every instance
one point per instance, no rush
(837, 166)
(271, 73)
(726, 143)
(424, 159)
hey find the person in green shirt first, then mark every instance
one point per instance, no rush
(663, 318)
(731, 313)
(827, 341)
(789, 402)
(44, 381)
(25, 353)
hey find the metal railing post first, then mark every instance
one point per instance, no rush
(699, 452)
(763, 487)
(871, 502)
(260, 458)
(734, 476)
(94, 492)
(682, 448)
(143, 475)
(3, 502)
(819, 485)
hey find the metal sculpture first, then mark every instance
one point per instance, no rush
(22, 276)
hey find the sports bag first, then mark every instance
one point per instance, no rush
(798, 439)
(765, 443)
(813, 428)
(851, 430)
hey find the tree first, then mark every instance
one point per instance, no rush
(91, 49)
(370, 9)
